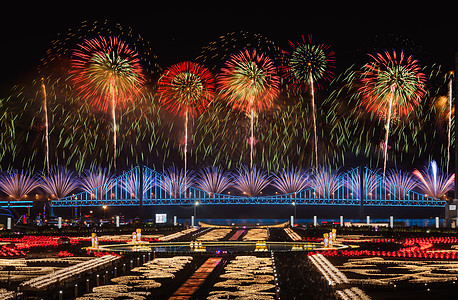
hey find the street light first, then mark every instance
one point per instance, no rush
(294, 204)
(104, 209)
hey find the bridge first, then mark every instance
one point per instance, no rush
(144, 186)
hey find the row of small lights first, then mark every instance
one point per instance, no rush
(277, 287)
(41, 281)
(331, 273)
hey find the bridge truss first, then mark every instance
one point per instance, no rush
(144, 186)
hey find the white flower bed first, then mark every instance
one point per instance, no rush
(413, 271)
(7, 295)
(215, 234)
(256, 234)
(115, 295)
(252, 277)
(175, 235)
(331, 273)
(158, 268)
(63, 274)
(353, 293)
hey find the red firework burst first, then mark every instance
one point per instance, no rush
(106, 68)
(186, 86)
(249, 81)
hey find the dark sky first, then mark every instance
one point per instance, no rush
(177, 33)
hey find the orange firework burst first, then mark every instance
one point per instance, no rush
(106, 71)
(103, 68)
(249, 81)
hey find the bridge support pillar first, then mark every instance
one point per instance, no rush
(361, 192)
(140, 192)
(451, 210)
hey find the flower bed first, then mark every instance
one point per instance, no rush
(256, 234)
(247, 277)
(215, 234)
(64, 254)
(67, 273)
(20, 270)
(379, 271)
(144, 278)
(331, 273)
(8, 251)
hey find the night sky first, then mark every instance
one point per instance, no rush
(178, 33)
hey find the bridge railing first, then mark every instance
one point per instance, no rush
(129, 190)
(16, 203)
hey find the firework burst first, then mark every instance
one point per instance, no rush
(433, 184)
(391, 84)
(175, 182)
(102, 67)
(107, 72)
(213, 180)
(305, 67)
(250, 181)
(80, 134)
(97, 182)
(290, 180)
(131, 184)
(308, 62)
(392, 78)
(59, 182)
(17, 184)
(325, 181)
(370, 183)
(186, 89)
(399, 183)
(249, 82)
